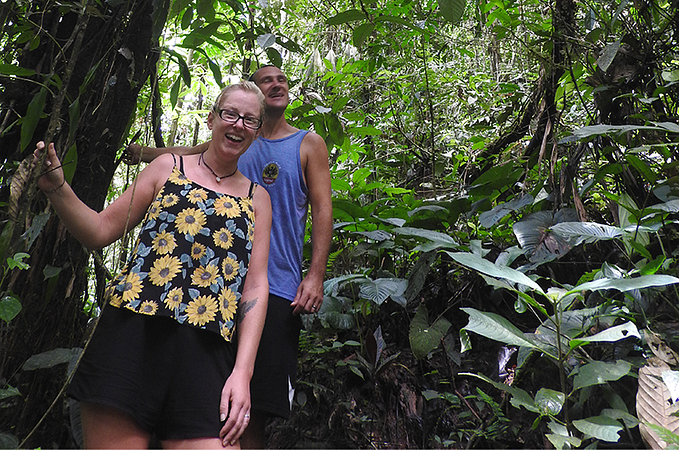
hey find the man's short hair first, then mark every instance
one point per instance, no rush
(252, 77)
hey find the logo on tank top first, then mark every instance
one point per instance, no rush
(270, 173)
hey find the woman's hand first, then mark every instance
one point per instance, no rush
(51, 175)
(234, 407)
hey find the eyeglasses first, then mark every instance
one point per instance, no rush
(233, 117)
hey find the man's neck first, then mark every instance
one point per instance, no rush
(275, 126)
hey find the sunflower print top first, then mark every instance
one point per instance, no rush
(191, 257)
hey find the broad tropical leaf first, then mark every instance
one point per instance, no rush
(600, 427)
(425, 338)
(600, 372)
(486, 267)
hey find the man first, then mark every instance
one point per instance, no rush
(292, 165)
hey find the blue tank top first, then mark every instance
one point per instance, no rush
(276, 165)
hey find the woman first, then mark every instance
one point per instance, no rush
(161, 360)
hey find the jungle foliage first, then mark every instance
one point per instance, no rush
(505, 195)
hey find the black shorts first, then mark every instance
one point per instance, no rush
(166, 375)
(273, 381)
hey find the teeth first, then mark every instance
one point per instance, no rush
(234, 137)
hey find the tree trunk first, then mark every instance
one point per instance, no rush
(94, 62)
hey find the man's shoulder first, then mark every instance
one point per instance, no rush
(313, 140)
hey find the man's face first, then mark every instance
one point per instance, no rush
(274, 85)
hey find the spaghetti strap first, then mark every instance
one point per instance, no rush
(181, 164)
(174, 159)
(252, 189)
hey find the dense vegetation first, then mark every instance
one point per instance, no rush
(505, 185)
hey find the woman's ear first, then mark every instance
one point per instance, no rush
(210, 120)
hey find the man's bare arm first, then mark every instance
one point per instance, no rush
(310, 292)
(135, 153)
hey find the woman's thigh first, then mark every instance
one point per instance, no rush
(108, 427)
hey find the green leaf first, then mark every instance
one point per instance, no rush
(352, 209)
(17, 261)
(423, 337)
(365, 131)
(381, 289)
(496, 327)
(349, 15)
(599, 372)
(362, 32)
(335, 128)
(36, 227)
(587, 232)
(664, 434)
(642, 167)
(174, 92)
(452, 10)
(484, 266)
(441, 239)
(332, 311)
(608, 55)
(549, 401)
(6, 393)
(51, 271)
(33, 114)
(266, 40)
(519, 396)
(612, 334)
(10, 307)
(195, 39)
(70, 162)
(274, 57)
(10, 69)
(183, 67)
(600, 427)
(51, 358)
(626, 284)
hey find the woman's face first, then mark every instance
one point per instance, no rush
(235, 137)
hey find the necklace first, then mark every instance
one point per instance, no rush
(217, 177)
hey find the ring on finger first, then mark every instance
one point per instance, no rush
(247, 416)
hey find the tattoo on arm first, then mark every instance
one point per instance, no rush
(245, 307)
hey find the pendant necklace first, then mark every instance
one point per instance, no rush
(217, 177)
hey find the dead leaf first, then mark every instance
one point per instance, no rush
(654, 404)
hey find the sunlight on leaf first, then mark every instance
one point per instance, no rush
(600, 427)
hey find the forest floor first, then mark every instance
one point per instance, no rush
(410, 403)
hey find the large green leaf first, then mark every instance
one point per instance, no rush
(51, 358)
(183, 66)
(10, 69)
(349, 15)
(600, 427)
(588, 232)
(612, 334)
(626, 284)
(452, 10)
(486, 267)
(382, 288)
(600, 372)
(425, 338)
(441, 240)
(496, 327)
(362, 32)
(549, 401)
(33, 114)
(334, 312)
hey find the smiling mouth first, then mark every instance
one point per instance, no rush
(233, 137)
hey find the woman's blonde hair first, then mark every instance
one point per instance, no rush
(245, 86)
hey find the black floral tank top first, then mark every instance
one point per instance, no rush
(191, 258)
